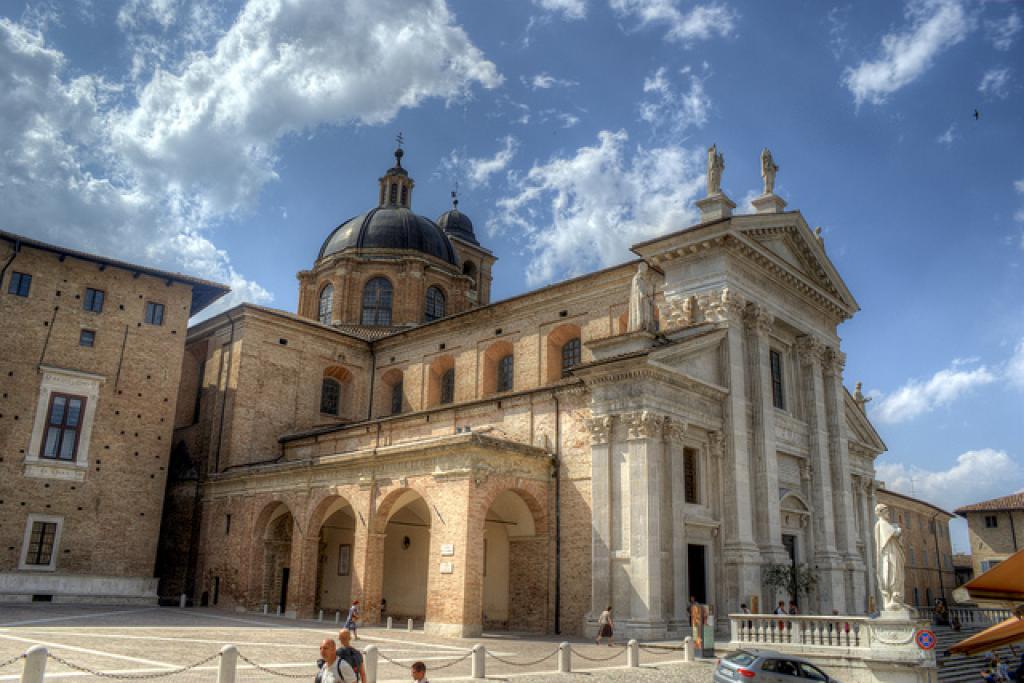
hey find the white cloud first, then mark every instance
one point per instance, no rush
(479, 171)
(544, 81)
(700, 22)
(675, 110)
(569, 9)
(1003, 32)
(583, 211)
(917, 397)
(1015, 366)
(147, 178)
(935, 26)
(136, 12)
(837, 18)
(994, 83)
(948, 137)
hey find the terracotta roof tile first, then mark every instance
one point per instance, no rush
(1014, 501)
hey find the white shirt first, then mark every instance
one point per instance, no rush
(338, 672)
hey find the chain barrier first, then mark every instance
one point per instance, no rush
(433, 667)
(597, 659)
(272, 672)
(659, 649)
(12, 660)
(133, 677)
(530, 663)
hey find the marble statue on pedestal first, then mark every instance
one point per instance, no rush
(768, 171)
(891, 560)
(641, 301)
(716, 165)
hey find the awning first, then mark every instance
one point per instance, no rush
(1005, 581)
(1003, 633)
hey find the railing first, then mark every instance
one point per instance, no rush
(779, 629)
(969, 616)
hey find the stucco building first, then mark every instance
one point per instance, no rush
(90, 357)
(659, 429)
(994, 529)
(929, 572)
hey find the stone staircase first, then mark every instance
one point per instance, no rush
(961, 668)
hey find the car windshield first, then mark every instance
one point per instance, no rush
(741, 658)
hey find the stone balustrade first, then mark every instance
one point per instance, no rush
(801, 631)
(970, 616)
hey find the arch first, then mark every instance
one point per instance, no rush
(441, 381)
(404, 522)
(492, 357)
(334, 521)
(470, 270)
(557, 341)
(335, 390)
(434, 306)
(270, 556)
(325, 310)
(392, 399)
(378, 297)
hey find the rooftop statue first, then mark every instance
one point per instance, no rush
(891, 559)
(768, 170)
(716, 165)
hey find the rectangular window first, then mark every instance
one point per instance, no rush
(199, 393)
(690, 488)
(991, 521)
(396, 399)
(506, 370)
(154, 313)
(40, 544)
(93, 300)
(911, 556)
(227, 524)
(63, 425)
(778, 398)
(21, 283)
(87, 338)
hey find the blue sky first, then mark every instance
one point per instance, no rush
(227, 139)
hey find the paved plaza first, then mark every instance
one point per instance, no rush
(133, 641)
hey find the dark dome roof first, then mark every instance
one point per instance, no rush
(390, 228)
(457, 224)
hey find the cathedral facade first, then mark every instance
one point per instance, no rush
(670, 427)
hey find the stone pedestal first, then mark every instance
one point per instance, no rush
(769, 203)
(715, 207)
(894, 655)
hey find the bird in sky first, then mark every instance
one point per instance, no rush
(977, 114)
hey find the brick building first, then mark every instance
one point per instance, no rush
(90, 357)
(662, 428)
(994, 528)
(930, 572)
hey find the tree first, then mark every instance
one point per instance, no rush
(794, 579)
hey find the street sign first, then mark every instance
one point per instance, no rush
(925, 639)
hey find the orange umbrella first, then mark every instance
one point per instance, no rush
(1005, 581)
(1003, 633)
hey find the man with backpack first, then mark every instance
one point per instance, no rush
(334, 669)
(350, 654)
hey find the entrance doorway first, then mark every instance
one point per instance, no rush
(789, 543)
(284, 589)
(697, 572)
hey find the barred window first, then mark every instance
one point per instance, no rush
(63, 425)
(326, 310)
(154, 313)
(40, 543)
(435, 304)
(570, 355)
(448, 386)
(93, 300)
(20, 284)
(87, 338)
(506, 373)
(330, 396)
(396, 398)
(778, 398)
(991, 522)
(690, 488)
(377, 297)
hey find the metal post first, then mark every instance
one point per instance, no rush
(479, 657)
(35, 665)
(633, 654)
(370, 662)
(564, 658)
(182, 600)
(228, 664)
(391, 622)
(409, 626)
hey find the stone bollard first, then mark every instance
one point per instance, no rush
(279, 610)
(409, 625)
(689, 653)
(35, 665)
(632, 654)
(391, 622)
(337, 617)
(265, 608)
(182, 601)
(564, 658)
(479, 658)
(228, 664)
(370, 662)
(321, 616)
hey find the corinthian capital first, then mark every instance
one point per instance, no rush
(809, 349)
(600, 429)
(716, 444)
(675, 430)
(835, 361)
(643, 425)
(758, 319)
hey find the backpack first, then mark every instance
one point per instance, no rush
(347, 678)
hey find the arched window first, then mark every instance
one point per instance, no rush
(405, 195)
(448, 386)
(377, 302)
(326, 305)
(506, 373)
(435, 304)
(570, 355)
(330, 396)
(393, 197)
(396, 398)
(469, 270)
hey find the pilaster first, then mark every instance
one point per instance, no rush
(674, 434)
(600, 429)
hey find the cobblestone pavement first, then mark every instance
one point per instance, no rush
(134, 641)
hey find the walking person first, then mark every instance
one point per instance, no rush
(351, 621)
(383, 611)
(350, 654)
(334, 669)
(605, 627)
(419, 672)
(697, 615)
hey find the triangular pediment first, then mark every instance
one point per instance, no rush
(860, 429)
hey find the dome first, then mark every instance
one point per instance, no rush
(391, 227)
(457, 224)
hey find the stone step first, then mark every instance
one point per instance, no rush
(954, 668)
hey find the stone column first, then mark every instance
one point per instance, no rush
(677, 496)
(766, 462)
(828, 562)
(869, 540)
(644, 456)
(601, 501)
(865, 491)
(741, 558)
(842, 481)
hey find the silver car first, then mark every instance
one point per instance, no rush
(768, 666)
